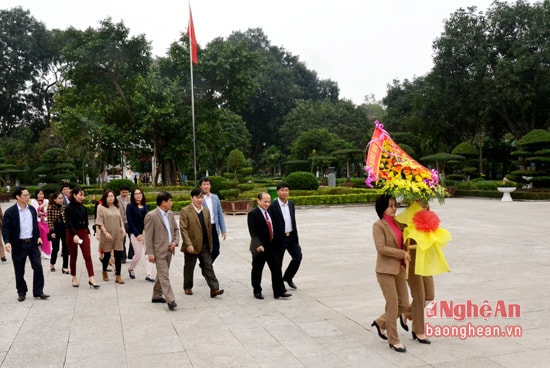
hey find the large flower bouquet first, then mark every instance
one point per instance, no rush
(398, 174)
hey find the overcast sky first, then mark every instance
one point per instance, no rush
(363, 45)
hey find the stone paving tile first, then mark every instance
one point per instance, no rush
(499, 251)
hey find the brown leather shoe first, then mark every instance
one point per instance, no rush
(215, 293)
(119, 280)
(105, 276)
(188, 292)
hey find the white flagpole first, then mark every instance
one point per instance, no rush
(192, 95)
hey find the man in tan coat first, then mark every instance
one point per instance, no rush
(161, 239)
(196, 235)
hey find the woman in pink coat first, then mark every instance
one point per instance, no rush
(40, 202)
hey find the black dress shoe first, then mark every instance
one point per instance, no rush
(258, 296)
(283, 295)
(21, 298)
(42, 296)
(398, 349)
(402, 323)
(158, 300)
(382, 336)
(4, 259)
(291, 284)
(422, 341)
(172, 305)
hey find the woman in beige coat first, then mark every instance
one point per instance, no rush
(390, 270)
(111, 232)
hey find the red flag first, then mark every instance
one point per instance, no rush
(193, 40)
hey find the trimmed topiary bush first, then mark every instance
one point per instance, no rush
(217, 183)
(302, 180)
(118, 183)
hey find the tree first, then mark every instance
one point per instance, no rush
(270, 160)
(222, 80)
(520, 64)
(56, 166)
(350, 154)
(315, 146)
(282, 82)
(219, 132)
(235, 160)
(26, 54)
(342, 118)
(533, 158)
(96, 112)
(490, 77)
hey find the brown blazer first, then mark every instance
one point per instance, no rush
(389, 255)
(156, 234)
(191, 230)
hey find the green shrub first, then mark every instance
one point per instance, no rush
(246, 187)
(230, 176)
(217, 183)
(302, 180)
(454, 177)
(118, 183)
(229, 193)
(336, 198)
(49, 189)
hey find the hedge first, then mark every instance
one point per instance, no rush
(334, 199)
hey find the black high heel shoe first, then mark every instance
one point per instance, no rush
(93, 285)
(398, 349)
(382, 336)
(65, 271)
(402, 323)
(422, 341)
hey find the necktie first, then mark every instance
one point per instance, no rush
(269, 226)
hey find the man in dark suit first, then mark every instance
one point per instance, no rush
(162, 239)
(282, 212)
(22, 239)
(263, 249)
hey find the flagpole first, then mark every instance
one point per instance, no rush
(192, 99)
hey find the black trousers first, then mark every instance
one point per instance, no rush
(295, 251)
(259, 259)
(118, 260)
(19, 254)
(215, 243)
(60, 238)
(205, 263)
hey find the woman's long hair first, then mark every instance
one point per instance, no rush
(104, 198)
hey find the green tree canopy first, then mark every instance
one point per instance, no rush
(55, 166)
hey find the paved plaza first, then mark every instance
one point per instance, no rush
(499, 259)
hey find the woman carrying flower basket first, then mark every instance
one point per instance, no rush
(401, 176)
(390, 270)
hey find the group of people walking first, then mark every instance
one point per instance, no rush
(272, 228)
(66, 221)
